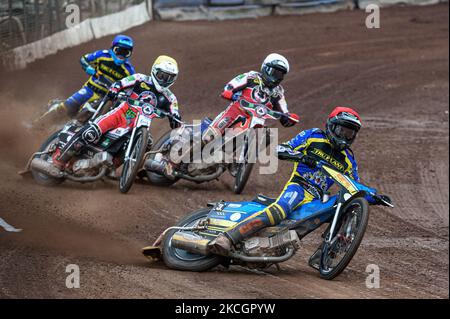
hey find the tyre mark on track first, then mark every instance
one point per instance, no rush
(432, 188)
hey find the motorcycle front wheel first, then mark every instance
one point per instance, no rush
(132, 165)
(242, 176)
(337, 254)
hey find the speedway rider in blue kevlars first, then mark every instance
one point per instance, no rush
(105, 67)
(307, 181)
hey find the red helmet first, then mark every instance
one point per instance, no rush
(342, 126)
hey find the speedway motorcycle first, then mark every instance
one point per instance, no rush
(124, 147)
(185, 246)
(255, 117)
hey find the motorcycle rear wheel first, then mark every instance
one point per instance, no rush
(41, 178)
(179, 259)
(356, 211)
(134, 163)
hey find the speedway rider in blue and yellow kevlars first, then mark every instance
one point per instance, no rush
(307, 182)
(105, 67)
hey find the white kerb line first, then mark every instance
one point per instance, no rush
(8, 227)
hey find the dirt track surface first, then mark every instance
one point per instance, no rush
(396, 77)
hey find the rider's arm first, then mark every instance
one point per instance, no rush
(286, 152)
(280, 105)
(124, 84)
(130, 68)
(127, 82)
(235, 85)
(89, 61)
(280, 100)
(174, 110)
(292, 149)
(352, 170)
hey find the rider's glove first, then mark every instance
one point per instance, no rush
(113, 93)
(173, 121)
(289, 120)
(308, 161)
(90, 70)
(227, 94)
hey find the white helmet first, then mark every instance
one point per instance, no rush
(164, 72)
(273, 69)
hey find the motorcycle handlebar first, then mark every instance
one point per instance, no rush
(123, 96)
(276, 114)
(319, 163)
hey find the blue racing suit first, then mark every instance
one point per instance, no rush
(104, 70)
(305, 183)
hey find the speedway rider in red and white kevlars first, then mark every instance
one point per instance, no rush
(153, 89)
(263, 87)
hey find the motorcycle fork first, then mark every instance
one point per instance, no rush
(242, 155)
(133, 133)
(130, 143)
(333, 224)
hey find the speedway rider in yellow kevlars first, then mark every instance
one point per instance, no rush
(104, 68)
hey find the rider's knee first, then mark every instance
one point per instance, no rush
(91, 134)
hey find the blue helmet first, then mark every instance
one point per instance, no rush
(121, 49)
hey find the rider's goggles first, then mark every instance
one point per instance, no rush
(346, 133)
(122, 52)
(165, 78)
(275, 73)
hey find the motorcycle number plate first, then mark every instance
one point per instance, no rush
(261, 111)
(118, 132)
(143, 121)
(257, 121)
(147, 109)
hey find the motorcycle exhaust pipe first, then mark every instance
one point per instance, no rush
(46, 168)
(270, 259)
(154, 166)
(202, 178)
(190, 242)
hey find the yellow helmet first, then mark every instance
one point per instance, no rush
(164, 72)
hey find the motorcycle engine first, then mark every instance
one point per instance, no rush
(269, 244)
(87, 166)
(196, 169)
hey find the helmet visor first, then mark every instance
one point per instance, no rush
(345, 133)
(122, 52)
(275, 73)
(164, 78)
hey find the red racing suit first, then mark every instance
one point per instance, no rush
(251, 87)
(140, 87)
